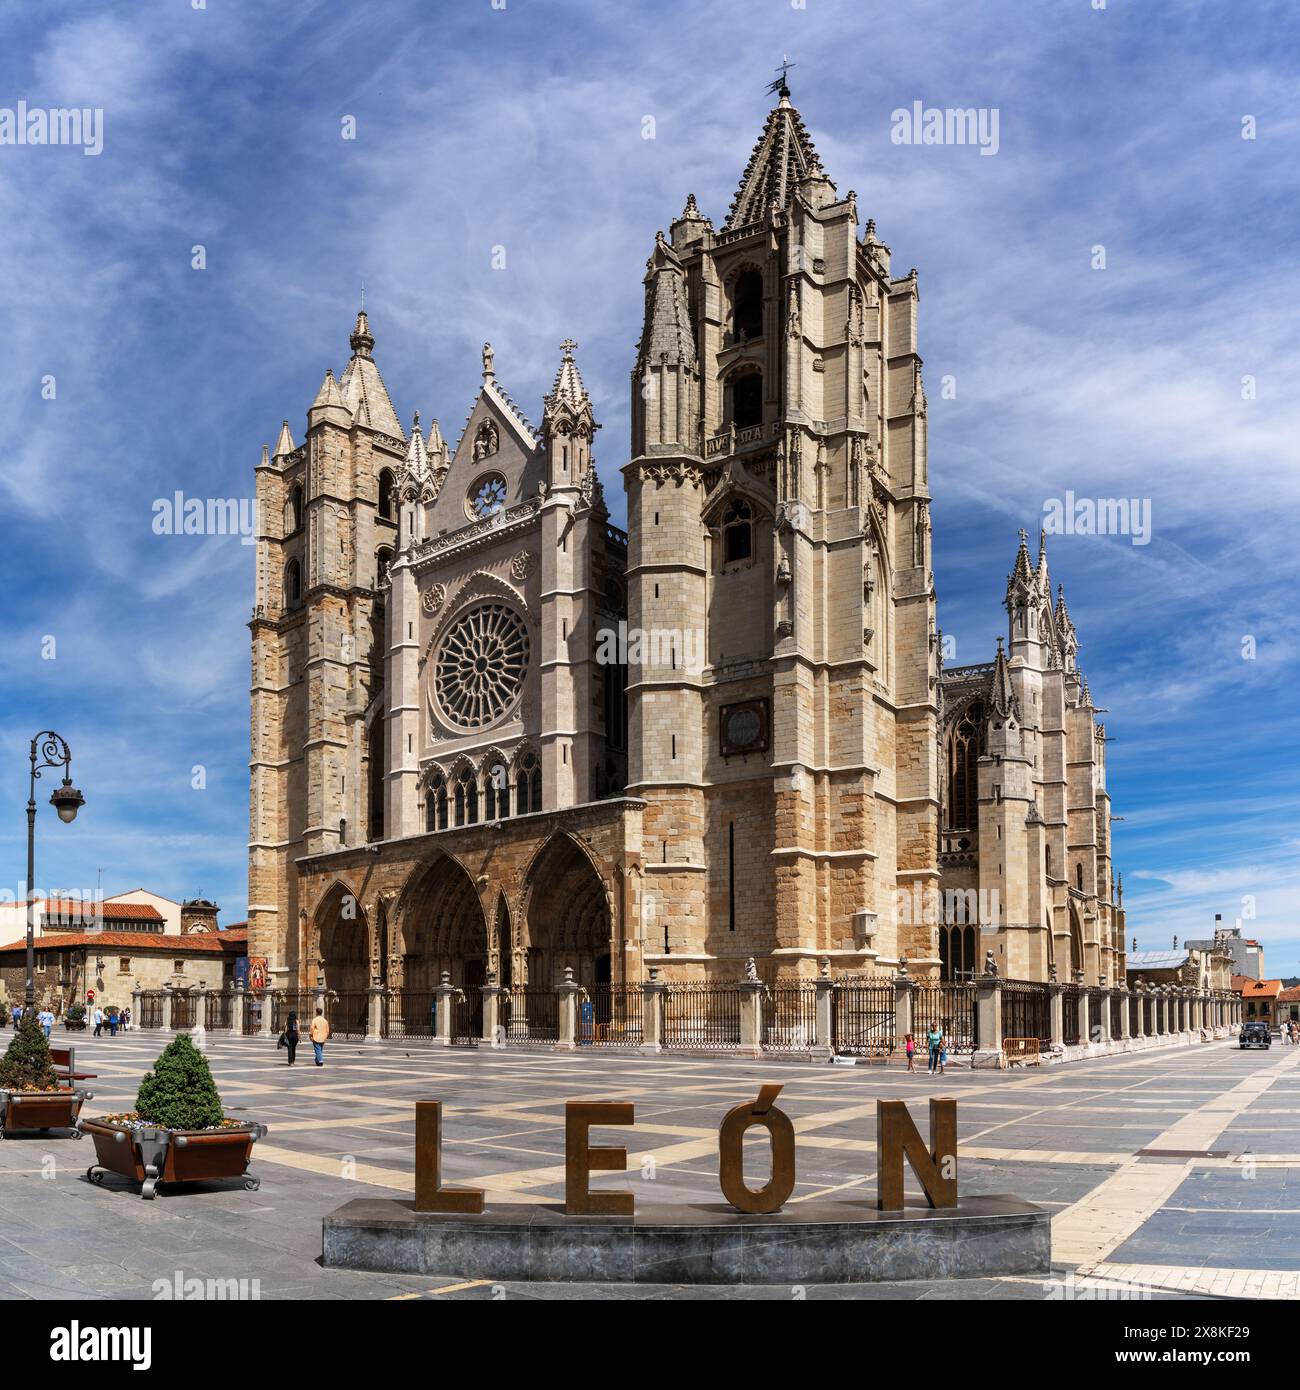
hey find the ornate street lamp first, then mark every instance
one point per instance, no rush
(52, 751)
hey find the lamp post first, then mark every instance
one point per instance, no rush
(52, 751)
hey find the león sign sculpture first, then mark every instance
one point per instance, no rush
(897, 1138)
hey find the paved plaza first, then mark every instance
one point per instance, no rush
(1177, 1170)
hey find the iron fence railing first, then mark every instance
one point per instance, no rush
(1070, 996)
(254, 1006)
(297, 1001)
(862, 1017)
(1116, 1014)
(347, 1013)
(466, 1018)
(1027, 1010)
(151, 1009)
(530, 1015)
(610, 1016)
(183, 1011)
(701, 1014)
(790, 1017)
(1095, 1000)
(410, 1013)
(218, 1010)
(950, 1006)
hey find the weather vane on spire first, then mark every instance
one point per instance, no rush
(781, 85)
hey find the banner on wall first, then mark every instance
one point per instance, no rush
(257, 972)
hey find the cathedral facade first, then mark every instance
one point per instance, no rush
(494, 735)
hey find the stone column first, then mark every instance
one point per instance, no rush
(267, 1012)
(988, 1000)
(825, 1045)
(320, 996)
(199, 1028)
(1124, 1030)
(569, 992)
(135, 1006)
(652, 1012)
(375, 1013)
(444, 994)
(492, 1011)
(237, 1010)
(751, 1011)
(167, 1008)
(904, 1012)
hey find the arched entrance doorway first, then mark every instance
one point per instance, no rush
(343, 942)
(443, 928)
(567, 920)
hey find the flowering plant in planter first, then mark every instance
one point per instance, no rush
(30, 1094)
(178, 1131)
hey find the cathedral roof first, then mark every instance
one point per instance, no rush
(363, 389)
(784, 155)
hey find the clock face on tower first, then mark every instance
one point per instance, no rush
(744, 727)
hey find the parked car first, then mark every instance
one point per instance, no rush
(1255, 1033)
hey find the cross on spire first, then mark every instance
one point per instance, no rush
(782, 86)
(568, 347)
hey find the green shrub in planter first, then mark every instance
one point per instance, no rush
(26, 1065)
(76, 1013)
(179, 1093)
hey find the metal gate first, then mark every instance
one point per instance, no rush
(949, 1006)
(862, 1017)
(790, 1017)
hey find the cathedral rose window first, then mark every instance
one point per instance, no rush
(486, 497)
(480, 668)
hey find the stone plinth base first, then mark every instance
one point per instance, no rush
(832, 1242)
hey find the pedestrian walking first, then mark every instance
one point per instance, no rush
(126, 1020)
(46, 1019)
(319, 1034)
(99, 1020)
(289, 1038)
(934, 1038)
(112, 1023)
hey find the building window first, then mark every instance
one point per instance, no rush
(292, 584)
(480, 667)
(382, 561)
(749, 305)
(386, 495)
(746, 393)
(496, 792)
(1078, 877)
(178, 967)
(435, 803)
(466, 797)
(297, 507)
(528, 785)
(124, 965)
(737, 532)
(965, 744)
(1048, 865)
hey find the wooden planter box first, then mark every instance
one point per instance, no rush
(73, 1025)
(151, 1156)
(42, 1110)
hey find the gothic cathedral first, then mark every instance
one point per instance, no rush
(493, 735)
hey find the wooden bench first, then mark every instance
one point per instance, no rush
(65, 1065)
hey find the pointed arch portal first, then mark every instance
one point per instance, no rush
(567, 918)
(343, 941)
(443, 928)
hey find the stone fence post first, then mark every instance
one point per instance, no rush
(167, 1009)
(375, 1012)
(1056, 1008)
(444, 995)
(135, 1006)
(267, 1012)
(491, 993)
(569, 990)
(237, 1010)
(988, 1000)
(752, 990)
(1081, 1007)
(825, 1046)
(904, 1010)
(652, 1012)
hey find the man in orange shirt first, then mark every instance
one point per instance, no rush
(319, 1033)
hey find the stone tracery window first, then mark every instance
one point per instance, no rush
(528, 785)
(435, 803)
(487, 497)
(481, 663)
(466, 797)
(965, 744)
(386, 495)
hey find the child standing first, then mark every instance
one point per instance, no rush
(911, 1053)
(943, 1054)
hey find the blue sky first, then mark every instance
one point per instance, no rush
(522, 127)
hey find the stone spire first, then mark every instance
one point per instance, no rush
(417, 460)
(568, 388)
(329, 396)
(363, 389)
(782, 158)
(436, 446)
(284, 446)
(1002, 695)
(668, 335)
(1021, 580)
(1040, 574)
